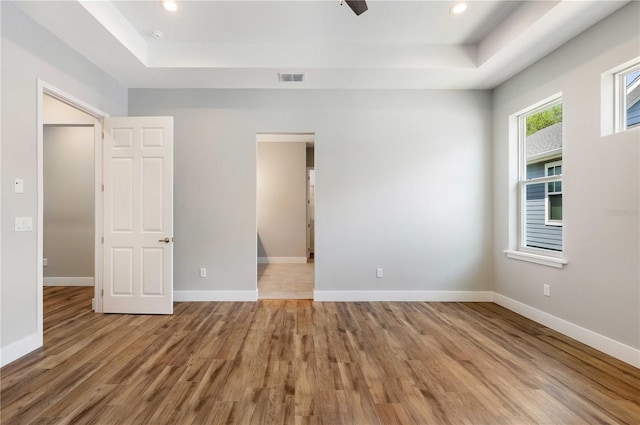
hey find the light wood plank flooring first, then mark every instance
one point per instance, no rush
(300, 362)
(286, 281)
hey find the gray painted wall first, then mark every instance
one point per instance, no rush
(282, 192)
(28, 53)
(598, 289)
(400, 184)
(68, 201)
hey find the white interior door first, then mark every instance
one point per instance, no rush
(138, 215)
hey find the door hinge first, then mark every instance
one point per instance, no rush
(103, 239)
(103, 135)
(102, 292)
(103, 188)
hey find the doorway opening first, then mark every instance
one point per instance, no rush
(68, 210)
(68, 149)
(285, 200)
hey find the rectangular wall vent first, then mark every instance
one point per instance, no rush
(295, 78)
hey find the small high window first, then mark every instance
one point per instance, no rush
(620, 98)
(628, 97)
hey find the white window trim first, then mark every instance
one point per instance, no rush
(544, 259)
(518, 133)
(547, 221)
(613, 111)
(554, 154)
(522, 170)
(550, 165)
(621, 97)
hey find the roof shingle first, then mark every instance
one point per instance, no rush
(546, 140)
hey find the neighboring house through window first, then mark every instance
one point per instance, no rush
(554, 193)
(632, 96)
(541, 177)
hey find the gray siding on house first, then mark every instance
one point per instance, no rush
(633, 115)
(538, 234)
(536, 170)
(535, 191)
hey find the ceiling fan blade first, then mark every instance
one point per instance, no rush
(358, 6)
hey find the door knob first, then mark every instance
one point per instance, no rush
(165, 240)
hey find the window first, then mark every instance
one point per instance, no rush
(540, 178)
(620, 98)
(553, 207)
(628, 97)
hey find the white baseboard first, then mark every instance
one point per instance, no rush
(186, 296)
(442, 296)
(282, 260)
(68, 281)
(602, 343)
(19, 348)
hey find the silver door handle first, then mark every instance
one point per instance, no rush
(165, 240)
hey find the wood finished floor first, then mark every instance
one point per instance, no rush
(300, 362)
(286, 281)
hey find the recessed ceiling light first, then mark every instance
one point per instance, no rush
(458, 8)
(170, 5)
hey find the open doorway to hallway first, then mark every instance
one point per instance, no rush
(68, 223)
(285, 215)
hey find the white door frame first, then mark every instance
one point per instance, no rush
(42, 89)
(308, 218)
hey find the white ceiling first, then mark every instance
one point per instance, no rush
(315, 21)
(245, 44)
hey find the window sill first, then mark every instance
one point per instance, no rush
(553, 223)
(545, 260)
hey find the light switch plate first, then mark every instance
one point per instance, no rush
(24, 224)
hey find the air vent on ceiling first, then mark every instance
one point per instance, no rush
(295, 78)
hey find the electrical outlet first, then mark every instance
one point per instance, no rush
(45, 262)
(379, 273)
(19, 185)
(203, 272)
(547, 290)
